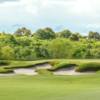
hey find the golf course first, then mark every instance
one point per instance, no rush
(47, 86)
(49, 50)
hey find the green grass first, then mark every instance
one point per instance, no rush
(50, 88)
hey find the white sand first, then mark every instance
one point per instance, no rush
(70, 71)
(31, 71)
(25, 71)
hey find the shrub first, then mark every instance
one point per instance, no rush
(90, 66)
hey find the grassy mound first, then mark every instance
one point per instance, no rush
(24, 64)
(4, 70)
(90, 66)
(44, 72)
(60, 65)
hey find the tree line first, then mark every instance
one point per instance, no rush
(47, 44)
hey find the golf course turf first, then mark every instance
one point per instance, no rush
(51, 87)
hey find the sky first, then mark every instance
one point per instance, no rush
(76, 15)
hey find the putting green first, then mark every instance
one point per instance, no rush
(50, 87)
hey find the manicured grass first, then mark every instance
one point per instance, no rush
(50, 88)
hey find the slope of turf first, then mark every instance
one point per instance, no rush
(50, 87)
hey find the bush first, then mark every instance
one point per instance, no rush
(3, 62)
(62, 65)
(90, 66)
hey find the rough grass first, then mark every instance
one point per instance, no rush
(50, 88)
(90, 66)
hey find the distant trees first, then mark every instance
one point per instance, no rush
(75, 37)
(7, 53)
(46, 33)
(65, 33)
(94, 35)
(46, 44)
(23, 32)
(59, 48)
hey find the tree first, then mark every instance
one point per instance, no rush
(74, 37)
(7, 53)
(94, 35)
(59, 48)
(65, 33)
(7, 39)
(23, 31)
(46, 33)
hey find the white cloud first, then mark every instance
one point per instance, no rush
(50, 12)
(2, 1)
(74, 7)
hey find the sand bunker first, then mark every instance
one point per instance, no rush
(32, 71)
(70, 71)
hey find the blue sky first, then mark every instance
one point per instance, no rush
(76, 15)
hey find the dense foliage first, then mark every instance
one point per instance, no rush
(47, 44)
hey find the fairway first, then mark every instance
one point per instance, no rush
(50, 87)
